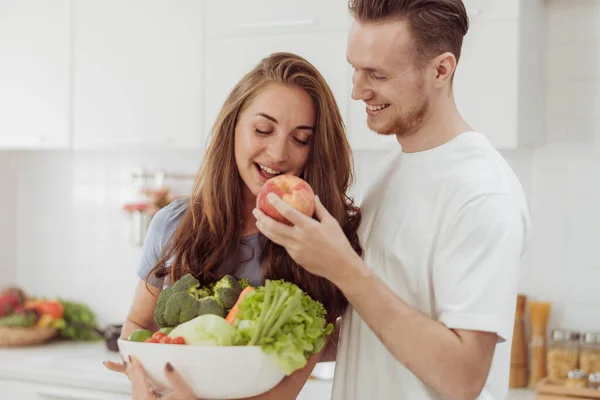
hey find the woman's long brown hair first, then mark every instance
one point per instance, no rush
(210, 228)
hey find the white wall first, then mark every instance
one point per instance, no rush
(565, 173)
(7, 220)
(73, 239)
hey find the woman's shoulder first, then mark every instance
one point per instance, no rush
(168, 218)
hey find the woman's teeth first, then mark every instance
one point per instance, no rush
(377, 107)
(269, 170)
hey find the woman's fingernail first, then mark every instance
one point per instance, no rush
(169, 367)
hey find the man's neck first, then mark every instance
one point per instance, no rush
(442, 124)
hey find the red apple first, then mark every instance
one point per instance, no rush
(293, 190)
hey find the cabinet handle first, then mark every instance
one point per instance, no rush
(59, 394)
(277, 24)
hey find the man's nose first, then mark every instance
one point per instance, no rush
(360, 91)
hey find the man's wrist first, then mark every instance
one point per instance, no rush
(351, 275)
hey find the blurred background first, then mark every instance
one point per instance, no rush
(106, 108)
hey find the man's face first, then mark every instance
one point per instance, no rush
(386, 77)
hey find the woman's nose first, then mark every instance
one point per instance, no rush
(278, 150)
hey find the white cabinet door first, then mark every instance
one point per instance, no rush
(138, 74)
(229, 58)
(34, 74)
(275, 16)
(486, 81)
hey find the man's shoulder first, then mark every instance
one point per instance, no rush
(479, 168)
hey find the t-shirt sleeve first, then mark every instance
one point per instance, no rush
(476, 270)
(152, 247)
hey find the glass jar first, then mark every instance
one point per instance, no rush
(594, 381)
(589, 352)
(576, 379)
(563, 352)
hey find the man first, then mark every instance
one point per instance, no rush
(445, 223)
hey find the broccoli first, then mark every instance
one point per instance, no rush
(186, 300)
(180, 308)
(187, 283)
(209, 305)
(159, 311)
(227, 290)
(203, 292)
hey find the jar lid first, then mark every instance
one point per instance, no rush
(576, 374)
(590, 337)
(560, 335)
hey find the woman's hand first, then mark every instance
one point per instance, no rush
(115, 367)
(141, 390)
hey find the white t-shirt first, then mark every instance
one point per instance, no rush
(446, 230)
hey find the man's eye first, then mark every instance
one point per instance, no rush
(378, 77)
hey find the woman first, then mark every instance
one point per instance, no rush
(281, 118)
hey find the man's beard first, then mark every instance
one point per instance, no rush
(404, 125)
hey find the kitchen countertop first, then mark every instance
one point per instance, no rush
(80, 365)
(64, 363)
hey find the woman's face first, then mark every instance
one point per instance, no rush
(273, 135)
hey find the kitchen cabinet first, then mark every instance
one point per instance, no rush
(499, 84)
(34, 74)
(232, 57)
(138, 74)
(237, 42)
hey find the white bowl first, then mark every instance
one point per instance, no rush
(213, 372)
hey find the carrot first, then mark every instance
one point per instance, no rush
(234, 310)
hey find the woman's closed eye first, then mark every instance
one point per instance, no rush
(263, 131)
(302, 141)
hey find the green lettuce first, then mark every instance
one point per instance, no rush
(285, 321)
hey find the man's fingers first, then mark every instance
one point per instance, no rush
(274, 230)
(320, 210)
(287, 211)
(115, 367)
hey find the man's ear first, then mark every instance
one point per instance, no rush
(444, 66)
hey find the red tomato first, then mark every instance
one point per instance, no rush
(151, 340)
(178, 340)
(165, 339)
(158, 335)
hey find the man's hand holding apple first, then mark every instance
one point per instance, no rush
(319, 245)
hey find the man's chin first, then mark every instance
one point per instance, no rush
(382, 130)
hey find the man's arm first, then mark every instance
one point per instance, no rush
(474, 277)
(453, 362)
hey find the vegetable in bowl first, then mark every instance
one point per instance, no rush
(270, 331)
